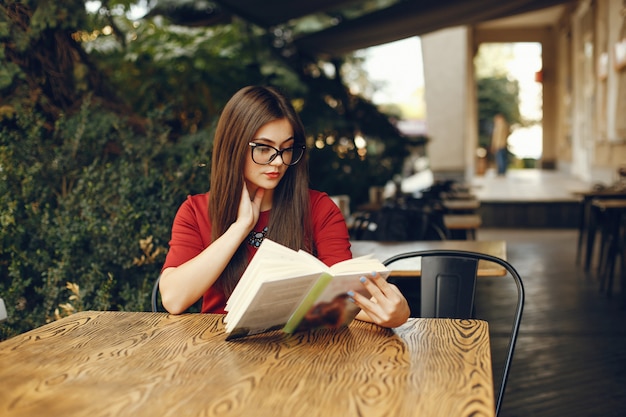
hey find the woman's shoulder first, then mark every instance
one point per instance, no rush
(322, 203)
(316, 196)
(199, 199)
(196, 203)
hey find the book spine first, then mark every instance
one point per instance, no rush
(308, 302)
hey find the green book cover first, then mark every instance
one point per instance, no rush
(307, 303)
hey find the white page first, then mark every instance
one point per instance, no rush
(277, 262)
(273, 304)
(263, 260)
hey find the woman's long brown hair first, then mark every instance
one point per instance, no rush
(244, 114)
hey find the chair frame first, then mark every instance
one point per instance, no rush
(518, 310)
(155, 294)
(3, 310)
(154, 299)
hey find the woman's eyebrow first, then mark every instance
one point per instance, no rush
(273, 142)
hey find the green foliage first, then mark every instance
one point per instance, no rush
(192, 71)
(336, 164)
(496, 95)
(52, 14)
(71, 212)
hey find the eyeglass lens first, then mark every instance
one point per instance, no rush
(265, 154)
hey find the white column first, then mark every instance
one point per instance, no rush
(445, 88)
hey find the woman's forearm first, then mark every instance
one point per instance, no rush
(182, 286)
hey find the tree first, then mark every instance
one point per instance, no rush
(496, 95)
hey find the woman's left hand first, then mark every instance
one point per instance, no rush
(387, 307)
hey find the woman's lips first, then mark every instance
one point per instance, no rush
(273, 175)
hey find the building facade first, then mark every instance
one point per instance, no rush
(584, 88)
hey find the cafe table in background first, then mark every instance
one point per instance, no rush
(412, 267)
(155, 364)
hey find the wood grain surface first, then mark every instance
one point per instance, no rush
(461, 205)
(155, 364)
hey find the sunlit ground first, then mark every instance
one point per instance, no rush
(526, 142)
(527, 184)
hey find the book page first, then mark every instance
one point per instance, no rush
(271, 306)
(273, 261)
(247, 293)
(364, 264)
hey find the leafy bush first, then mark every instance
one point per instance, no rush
(88, 202)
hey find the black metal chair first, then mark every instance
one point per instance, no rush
(448, 285)
(3, 310)
(155, 295)
(155, 300)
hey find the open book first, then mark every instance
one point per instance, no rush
(293, 290)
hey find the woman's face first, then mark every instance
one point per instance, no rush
(278, 134)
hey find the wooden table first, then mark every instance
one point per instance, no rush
(586, 230)
(458, 195)
(613, 242)
(468, 205)
(465, 223)
(154, 364)
(412, 268)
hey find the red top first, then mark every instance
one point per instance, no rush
(191, 234)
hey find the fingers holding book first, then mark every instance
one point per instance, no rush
(387, 307)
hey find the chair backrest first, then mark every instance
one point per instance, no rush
(448, 282)
(448, 286)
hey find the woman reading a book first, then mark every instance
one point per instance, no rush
(259, 188)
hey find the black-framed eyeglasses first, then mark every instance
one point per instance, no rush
(264, 154)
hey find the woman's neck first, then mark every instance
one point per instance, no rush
(266, 203)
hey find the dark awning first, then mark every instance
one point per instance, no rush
(402, 19)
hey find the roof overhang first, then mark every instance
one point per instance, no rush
(401, 19)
